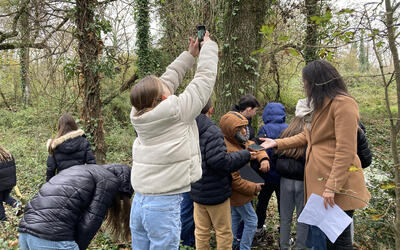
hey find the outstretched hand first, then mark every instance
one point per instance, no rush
(268, 143)
(194, 47)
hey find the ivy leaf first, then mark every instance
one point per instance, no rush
(353, 169)
(293, 52)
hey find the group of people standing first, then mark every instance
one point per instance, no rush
(180, 158)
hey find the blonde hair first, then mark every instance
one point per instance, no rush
(295, 127)
(4, 155)
(146, 94)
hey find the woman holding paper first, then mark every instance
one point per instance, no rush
(333, 169)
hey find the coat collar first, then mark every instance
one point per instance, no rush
(53, 143)
(317, 114)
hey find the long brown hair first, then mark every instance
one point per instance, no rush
(295, 127)
(4, 155)
(118, 217)
(146, 94)
(66, 123)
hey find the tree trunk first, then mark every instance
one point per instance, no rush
(311, 39)
(395, 129)
(238, 73)
(24, 58)
(143, 37)
(88, 50)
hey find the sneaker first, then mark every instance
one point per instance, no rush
(19, 209)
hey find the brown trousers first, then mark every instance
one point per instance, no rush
(218, 216)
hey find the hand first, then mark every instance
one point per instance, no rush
(329, 198)
(258, 188)
(268, 143)
(264, 166)
(194, 47)
(253, 155)
(206, 38)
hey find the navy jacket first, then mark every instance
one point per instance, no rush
(215, 185)
(8, 176)
(69, 150)
(274, 117)
(73, 204)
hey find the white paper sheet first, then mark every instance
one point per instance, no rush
(332, 221)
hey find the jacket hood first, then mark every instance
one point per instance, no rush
(203, 123)
(229, 124)
(54, 143)
(274, 113)
(123, 173)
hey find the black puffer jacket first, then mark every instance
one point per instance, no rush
(73, 204)
(291, 168)
(363, 151)
(69, 150)
(215, 186)
(8, 176)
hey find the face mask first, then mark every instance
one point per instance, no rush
(240, 137)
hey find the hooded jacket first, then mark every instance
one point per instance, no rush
(8, 175)
(215, 185)
(73, 204)
(274, 117)
(69, 150)
(166, 153)
(250, 129)
(243, 191)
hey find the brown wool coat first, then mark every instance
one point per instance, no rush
(331, 157)
(243, 191)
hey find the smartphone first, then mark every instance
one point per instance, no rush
(201, 31)
(255, 147)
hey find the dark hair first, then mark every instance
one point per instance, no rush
(248, 101)
(118, 217)
(321, 80)
(295, 127)
(207, 107)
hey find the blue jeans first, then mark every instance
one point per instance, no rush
(155, 221)
(187, 233)
(249, 217)
(30, 242)
(317, 238)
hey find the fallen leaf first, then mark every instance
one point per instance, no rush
(353, 169)
(13, 243)
(388, 186)
(376, 217)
